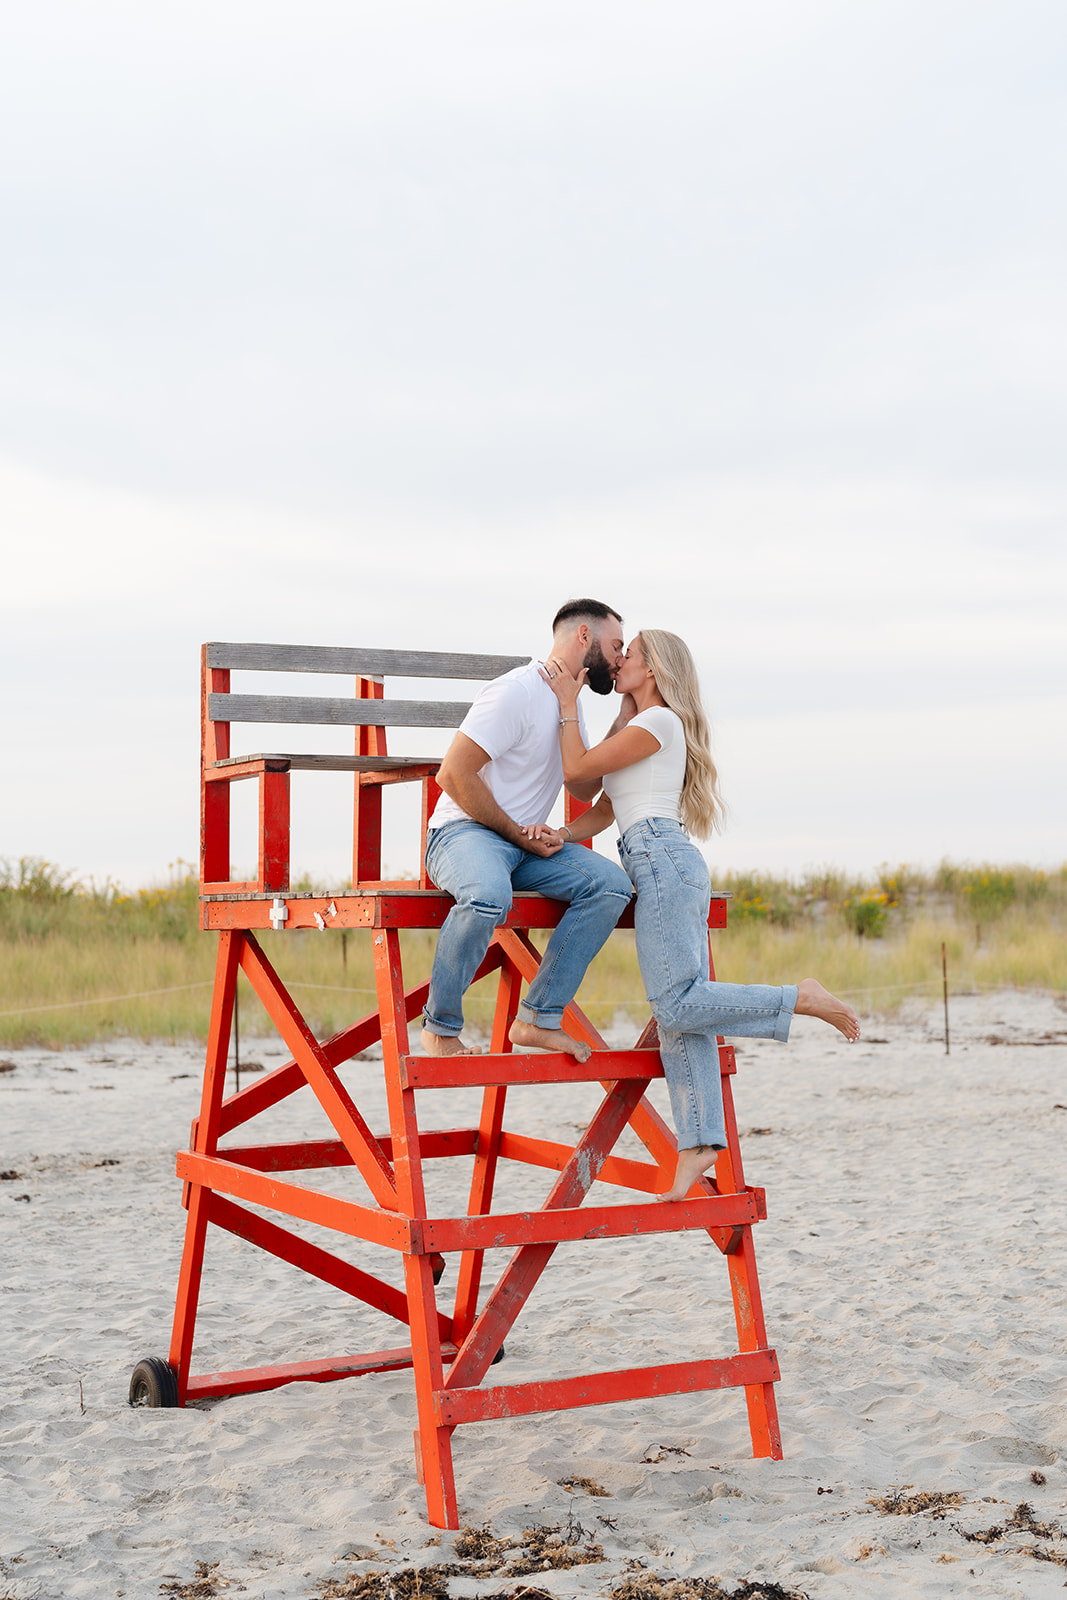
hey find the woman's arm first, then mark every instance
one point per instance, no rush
(591, 822)
(618, 750)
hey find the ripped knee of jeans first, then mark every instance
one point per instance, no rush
(487, 909)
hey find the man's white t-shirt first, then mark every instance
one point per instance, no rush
(652, 787)
(515, 719)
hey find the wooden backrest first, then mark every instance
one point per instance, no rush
(355, 663)
(365, 709)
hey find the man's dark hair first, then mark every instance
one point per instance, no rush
(595, 610)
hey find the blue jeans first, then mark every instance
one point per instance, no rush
(479, 869)
(671, 922)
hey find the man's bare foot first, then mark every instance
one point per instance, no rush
(528, 1036)
(815, 1001)
(442, 1044)
(692, 1163)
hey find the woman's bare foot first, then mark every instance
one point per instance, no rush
(815, 1001)
(530, 1037)
(692, 1163)
(444, 1044)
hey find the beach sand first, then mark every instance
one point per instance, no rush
(913, 1275)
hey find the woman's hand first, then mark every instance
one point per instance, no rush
(542, 839)
(564, 685)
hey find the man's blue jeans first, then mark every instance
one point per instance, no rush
(671, 925)
(480, 870)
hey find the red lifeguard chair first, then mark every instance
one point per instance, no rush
(449, 1350)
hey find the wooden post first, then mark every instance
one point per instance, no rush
(944, 985)
(367, 821)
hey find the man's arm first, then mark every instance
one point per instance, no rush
(459, 778)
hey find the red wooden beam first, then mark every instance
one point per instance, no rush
(392, 907)
(274, 832)
(483, 1177)
(344, 1216)
(454, 1072)
(215, 1385)
(526, 1266)
(502, 1230)
(206, 1133)
(309, 1258)
(367, 813)
(320, 1074)
(640, 1175)
(439, 1142)
(454, 1406)
(273, 1087)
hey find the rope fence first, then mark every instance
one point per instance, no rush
(484, 1000)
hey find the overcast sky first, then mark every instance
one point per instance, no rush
(399, 324)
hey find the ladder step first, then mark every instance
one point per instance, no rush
(453, 1406)
(548, 1066)
(506, 1230)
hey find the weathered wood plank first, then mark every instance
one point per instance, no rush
(296, 762)
(364, 662)
(337, 713)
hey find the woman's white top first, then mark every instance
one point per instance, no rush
(652, 787)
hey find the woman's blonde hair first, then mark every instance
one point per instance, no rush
(702, 808)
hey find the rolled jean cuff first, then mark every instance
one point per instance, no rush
(785, 1016)
(539, 1019)
(442, 1030)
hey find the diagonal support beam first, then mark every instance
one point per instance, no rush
(646, 1122)
(309, 1055)
(526, 1266)
(273, 1087)
(310, 1258)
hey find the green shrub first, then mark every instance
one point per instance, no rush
(867, 914)
(988, 892)
(757, 897)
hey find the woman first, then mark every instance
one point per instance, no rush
(660, 785)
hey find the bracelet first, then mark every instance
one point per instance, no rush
(562, 720)
(565, 829)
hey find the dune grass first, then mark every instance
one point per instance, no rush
(69, 954)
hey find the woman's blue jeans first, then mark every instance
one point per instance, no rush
(480, 869)
(671, 922)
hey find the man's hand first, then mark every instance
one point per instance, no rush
(541, 840)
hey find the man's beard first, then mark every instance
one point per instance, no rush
(598, 674)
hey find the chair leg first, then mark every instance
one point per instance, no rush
(434, 1447)
(433, 1442)
(205, 1141)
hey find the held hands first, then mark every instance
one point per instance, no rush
(542, 840)
(564, 685)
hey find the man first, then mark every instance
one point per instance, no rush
(503, 774)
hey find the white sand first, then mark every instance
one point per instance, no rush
(913, 1276)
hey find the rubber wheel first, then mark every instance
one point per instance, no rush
(501, 1353)
(154, 1383)
(437, 1265)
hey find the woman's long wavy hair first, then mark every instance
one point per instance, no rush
(702, 808)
